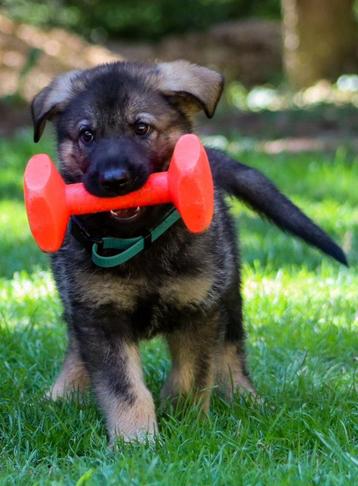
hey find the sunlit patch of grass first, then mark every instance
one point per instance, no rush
(301, 317)
(29, 300)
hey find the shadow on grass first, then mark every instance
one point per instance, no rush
(12, 190)
(18, 255)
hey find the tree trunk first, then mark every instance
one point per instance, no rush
(319, 40)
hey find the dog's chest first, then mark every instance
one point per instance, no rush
(147, 303)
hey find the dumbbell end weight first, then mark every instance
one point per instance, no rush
(45, 202)
(192, 190)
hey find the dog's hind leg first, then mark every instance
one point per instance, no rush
(231, 374)
(193, 354)
(73, 376)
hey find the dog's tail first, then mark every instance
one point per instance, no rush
(254, 189)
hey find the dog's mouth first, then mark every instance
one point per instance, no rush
(127, 215)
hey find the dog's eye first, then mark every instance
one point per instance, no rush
(86, 136)
(142, 128)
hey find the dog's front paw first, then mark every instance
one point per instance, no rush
(143, 431)
(134, 437)
(132, 421)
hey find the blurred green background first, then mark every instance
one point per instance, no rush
(136, 19)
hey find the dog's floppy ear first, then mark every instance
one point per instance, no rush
(51, 100)
(191, 84)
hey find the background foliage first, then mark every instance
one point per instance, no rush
(136, 19)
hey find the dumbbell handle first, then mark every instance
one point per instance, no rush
(155, 191)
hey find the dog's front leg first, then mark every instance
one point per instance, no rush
(115, 370)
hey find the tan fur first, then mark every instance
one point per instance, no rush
(72, 378)
(173, 135)
(182, 375)
(70, 159)
(165, 125)
(186, 290)
(96, 289)
(135, 421)
(230, 376)
(189, 376)
(166, 139)
(138, 110)
(183, 77)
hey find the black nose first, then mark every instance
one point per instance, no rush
(115, 180)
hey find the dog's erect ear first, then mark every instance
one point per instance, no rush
(191, 84)
(52, 100)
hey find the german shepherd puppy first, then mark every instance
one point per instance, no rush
(116, 124)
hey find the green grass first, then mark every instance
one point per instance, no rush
(301, 315)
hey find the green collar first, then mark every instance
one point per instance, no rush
(128, 247)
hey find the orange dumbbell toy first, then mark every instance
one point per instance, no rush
(50, 202)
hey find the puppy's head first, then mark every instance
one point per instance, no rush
(118, 123)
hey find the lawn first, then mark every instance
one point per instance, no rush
(301, 316)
